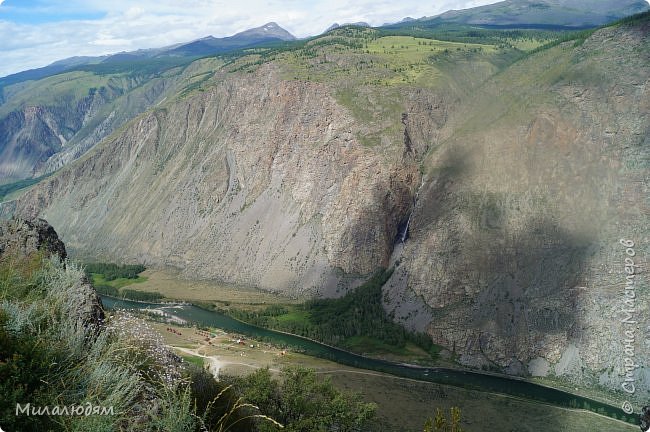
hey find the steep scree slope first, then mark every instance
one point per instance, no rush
(257, 181)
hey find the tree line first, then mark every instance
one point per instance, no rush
(335, 321)
(112, 271)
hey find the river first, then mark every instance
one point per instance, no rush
(511, 386)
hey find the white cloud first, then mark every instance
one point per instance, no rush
(109, 41)
(130, 25)
(134, 12)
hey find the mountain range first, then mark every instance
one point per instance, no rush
(268, 33)
(38, 138)
(494, 171)
(537, 13)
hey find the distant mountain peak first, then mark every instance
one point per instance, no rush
(270, 29)
(332, 27)
(271, 26)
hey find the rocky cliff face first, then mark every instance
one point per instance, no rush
(40, 134)
(513, 259)
(257, 181)
(29, 136)
(25, 237)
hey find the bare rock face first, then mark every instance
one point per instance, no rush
(25, 237)
(89, 306)
(37, 139)
(257, 181)
(32, 128)
(514, 259)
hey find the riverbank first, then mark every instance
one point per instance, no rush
(227, 298)
(469, 380)
(583, 397)
(403, 403)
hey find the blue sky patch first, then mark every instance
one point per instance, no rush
(43, 11)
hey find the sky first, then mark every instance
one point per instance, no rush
(34, 33)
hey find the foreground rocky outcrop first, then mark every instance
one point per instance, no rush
(23, 238)
(58, 351)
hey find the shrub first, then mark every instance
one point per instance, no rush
(50, 357)
(303, 402)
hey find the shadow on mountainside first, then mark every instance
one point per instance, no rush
(511, 277)
(503, 277)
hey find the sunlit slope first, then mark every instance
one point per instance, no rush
(573, 13)
(47, 123)
(290, 170)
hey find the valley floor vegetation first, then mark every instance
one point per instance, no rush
(357, 321)
(111, 279)
(54, 355)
